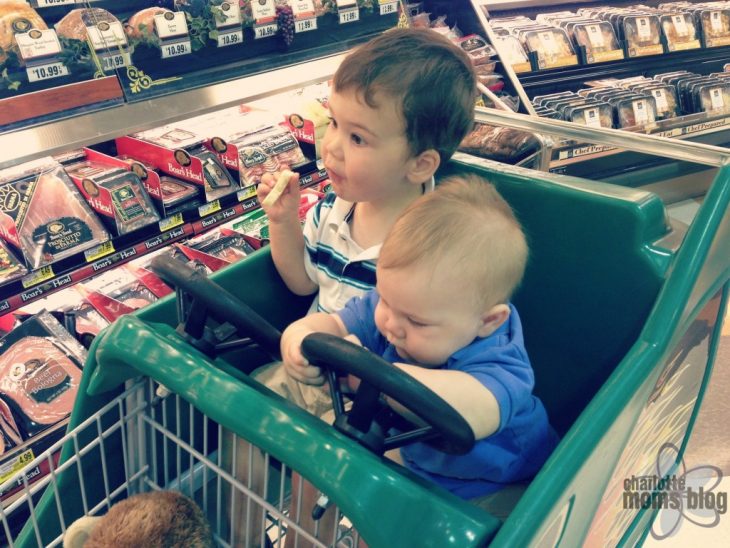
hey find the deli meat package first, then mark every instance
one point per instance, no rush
(40, 371)
(42, 215)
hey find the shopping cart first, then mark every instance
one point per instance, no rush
(621, 311)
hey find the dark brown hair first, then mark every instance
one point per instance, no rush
(432, 79)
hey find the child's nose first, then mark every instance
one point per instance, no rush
(331, 143)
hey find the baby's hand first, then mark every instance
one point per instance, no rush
(286, 206)
(295, 364)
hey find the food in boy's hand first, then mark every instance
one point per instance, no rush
(279, 187)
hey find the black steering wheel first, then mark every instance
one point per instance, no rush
(370, 420)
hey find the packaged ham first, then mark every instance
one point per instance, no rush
(74, 24)
(224, 244)
(16, 16)
(39, 373)
(43, 215)
(501, 144)
(715, 25)
(141, 25)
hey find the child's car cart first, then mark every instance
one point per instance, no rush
(621, 310)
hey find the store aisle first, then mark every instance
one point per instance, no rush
(710, 444)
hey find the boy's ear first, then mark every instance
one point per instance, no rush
(492, 319)
(423, 166)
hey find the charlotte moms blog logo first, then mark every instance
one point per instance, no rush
(685, 494)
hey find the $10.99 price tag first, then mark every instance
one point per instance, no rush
(230, 38)
(47, 71)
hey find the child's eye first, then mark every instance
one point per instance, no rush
(416, 323)
(357, 139)
(333, 122)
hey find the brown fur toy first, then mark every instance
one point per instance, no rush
(160, 519)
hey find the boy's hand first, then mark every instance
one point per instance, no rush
(286, 206)
(295, 364)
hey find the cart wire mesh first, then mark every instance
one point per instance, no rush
(141, 442)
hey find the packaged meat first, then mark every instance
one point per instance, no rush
(680, 31)
(74, 24)
(634, 111)
(226, 245)
(175, 191)
(141, 25)
(665, 97)
(598, 40)
(713, 97)
(16, 16)
(591, 114)
(135, 295)
(552, 47)
(39, 373)
(501, 144)
(10, 267)
(45, 217)
(643, 35)
(715, 24)
(266, 151)
(513, 53)
(9, 431)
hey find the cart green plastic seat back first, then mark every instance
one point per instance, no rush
(591, 280)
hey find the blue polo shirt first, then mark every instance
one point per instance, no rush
(524, 439)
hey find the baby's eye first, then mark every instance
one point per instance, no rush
(357, 139)
(416, 323)
(333, 122)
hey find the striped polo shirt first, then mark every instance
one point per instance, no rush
(332, 259)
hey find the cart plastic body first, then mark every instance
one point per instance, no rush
(621, 310)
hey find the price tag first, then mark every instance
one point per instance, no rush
(38, 43)
(171, 222)
(230, 38)
(171, 24)
(41, 275)
(716, 21)
(11, 467)
(112, 61)
(107, 248)
(107, 35)
(680, 25)
(549, 43)
(595, 36)
(265, 31)
(50, 3)
(303, 25)
(246, 193)
(640, 114)
(55, 69)
(349, 15)
(386, 8)
(264, 11)
(229, 15)
(592, 117)
(661, 100)
(211, 207)
(643, 28)
(175, 49)
(716, 98)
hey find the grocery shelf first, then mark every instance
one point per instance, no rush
(85, 129)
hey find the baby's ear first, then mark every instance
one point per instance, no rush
(78, 532)
(492, 319)
(423, 166)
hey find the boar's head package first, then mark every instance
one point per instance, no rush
(74, 23)
(40, 371)
(9, 431)
(44, 216)
(16, 16)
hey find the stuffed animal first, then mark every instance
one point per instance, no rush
(153, 520)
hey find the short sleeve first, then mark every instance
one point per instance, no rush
(311, 237)
(358, 315)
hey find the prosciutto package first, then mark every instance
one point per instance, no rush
(39, 373)
(47, 218)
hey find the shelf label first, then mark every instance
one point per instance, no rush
(175, 49)
(716, 98)
(228, 14)
(263, 11)
(303, 9)
(264, 31)
(661, 100)
(230, 38)
(54, 69)
(41, 275)
(171, 24)
(112, 61)
(683, 46)
(102, 250)
(639, 51)
(303, 25)
(349, 15)
(680, 25)
(106, 35)
(8, 469)
(602, 56)
(246, 193)
(386, 8)
(51, 3)
(592, 118)
(38, 43)
(171, 222)
(207, 209)
(716, 21)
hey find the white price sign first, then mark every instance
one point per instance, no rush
(176, 49)
(170, 24)
(107, 35)
(38, 43)
(263, 11)
(349, 16)
(111, 61)
(303, 25)
(49, 3)
(264, 31)
(386, 8)
(55, 69)
(716, 21)
(231, 15)
(303, 9)
(230, 38)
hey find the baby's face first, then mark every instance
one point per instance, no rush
(425, 315)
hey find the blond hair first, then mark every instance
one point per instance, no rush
(467, 227)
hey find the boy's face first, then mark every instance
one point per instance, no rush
(426, 315)
(365, 150)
